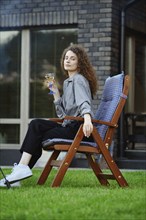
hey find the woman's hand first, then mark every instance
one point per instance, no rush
(87, 126)
(52, 85)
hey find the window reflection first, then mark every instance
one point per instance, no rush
(10, 74)
(46, 49)
(9, 133)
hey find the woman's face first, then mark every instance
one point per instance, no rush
(71, 62)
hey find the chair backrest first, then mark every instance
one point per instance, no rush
(112, 93)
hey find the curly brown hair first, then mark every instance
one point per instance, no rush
(84, 66)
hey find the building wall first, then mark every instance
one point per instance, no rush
(98, 23)
(93, 19)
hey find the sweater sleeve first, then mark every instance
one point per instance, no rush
(59, 108)
(83, 97)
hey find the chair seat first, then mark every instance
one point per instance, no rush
(54, 141)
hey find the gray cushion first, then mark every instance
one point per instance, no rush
(50, 142)
(110, 98)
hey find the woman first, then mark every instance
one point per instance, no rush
(78, 90)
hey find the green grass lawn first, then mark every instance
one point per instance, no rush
(80, 197)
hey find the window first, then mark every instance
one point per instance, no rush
(25, 58)
(135, 127)
(46, 49)
(10, 54)
(140, 75)
(10, 74)
(136, 68)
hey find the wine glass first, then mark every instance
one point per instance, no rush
(50, 77)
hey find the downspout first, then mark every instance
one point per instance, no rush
(122, 56)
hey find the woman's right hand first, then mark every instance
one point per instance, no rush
(54, 88)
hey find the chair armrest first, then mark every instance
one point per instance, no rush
(73, 118)
(93, 120)
(56, 119)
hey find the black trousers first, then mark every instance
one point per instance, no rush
(40, 130)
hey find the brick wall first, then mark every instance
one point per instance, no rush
(98, 23)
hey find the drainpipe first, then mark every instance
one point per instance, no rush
(122, 56)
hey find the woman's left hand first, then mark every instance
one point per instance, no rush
(87, 126)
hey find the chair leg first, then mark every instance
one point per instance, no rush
(115, 170)
(96, 168)
(47, 169)
(62, 169)
(60, 175)
(110, 162)
(64, 166)
(68, 158)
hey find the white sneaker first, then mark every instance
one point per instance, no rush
(3, 183)
(19, 172)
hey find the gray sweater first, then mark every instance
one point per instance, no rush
(76, 99)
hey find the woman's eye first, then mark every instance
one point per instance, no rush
(72, 58)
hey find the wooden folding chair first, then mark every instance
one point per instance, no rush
(113, 100)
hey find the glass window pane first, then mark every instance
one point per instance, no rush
(140, 75)
(9, 133)
(46, 49)
(10, 57)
